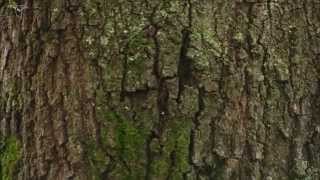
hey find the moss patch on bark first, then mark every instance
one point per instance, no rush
(10, 155)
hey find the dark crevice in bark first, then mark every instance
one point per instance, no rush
(190, 14)
(18, 121)
(162, 95)
(156, 57)
(195, 127)
(292, 52)
(8, 49)
(124, 74)
(153, 30)
(191, 152)
(149, 154)
(296, 139)
(249, 41)
(163, 106)
(172, 164)
(184, 64)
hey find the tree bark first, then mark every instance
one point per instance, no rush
(160, 89)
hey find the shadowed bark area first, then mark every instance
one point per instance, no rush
(170, 89)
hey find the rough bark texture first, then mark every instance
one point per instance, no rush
(170, 89)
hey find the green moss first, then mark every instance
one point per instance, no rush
(10, 154)
(130, 138)
(111, 116)
(176, 144)
(96, 154)
(130, 141)
(98, 160)
(127, 145)
(161, 167)
(181, 138)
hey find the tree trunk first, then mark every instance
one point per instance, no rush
(160, 89)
